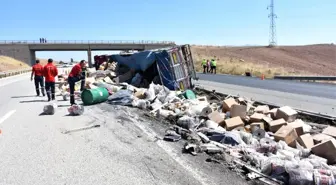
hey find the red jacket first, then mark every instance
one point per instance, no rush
(75, 71)
(50, 72)
(37, 70)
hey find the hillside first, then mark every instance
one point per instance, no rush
(8, 63)
(309, 59)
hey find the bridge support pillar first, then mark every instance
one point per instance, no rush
(32, 57)
(89, 58)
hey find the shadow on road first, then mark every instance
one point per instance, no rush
(33, 101)
(30, 96)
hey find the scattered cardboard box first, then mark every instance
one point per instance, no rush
(238, 110)
(287, 113)
(217, 118)
(227, 104)
(267, 121)
(275, 125)
(298, 127)
(288, 134)
(327, 150)
(272, 113)
(330, 131)
(306, 140)
(263, 109)
(257, 117)
(232, 123)
(319, 138)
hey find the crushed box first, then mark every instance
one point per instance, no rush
(306, 140)
(327, 150)
(288, 134)
(275, 125)
(257, 117)
(263, 109)
(319, 138)
(298, 127)
(238, 110)
(287, 113)
(330, 131)
(227, 104)
(232, 123)
(217, 118)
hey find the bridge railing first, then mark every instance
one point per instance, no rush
(85, 42)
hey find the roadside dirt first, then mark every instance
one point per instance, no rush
(8, 64)
(309, 59)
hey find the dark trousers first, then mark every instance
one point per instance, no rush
(213, 69)
(205, 68)
(83, 81)
(39, 81)
(72, 81)
(50, 88)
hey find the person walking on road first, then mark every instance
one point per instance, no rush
(37, 72)
(213, 64)
(75, 75)
(50, 72)
(204, 64)
(208, 66)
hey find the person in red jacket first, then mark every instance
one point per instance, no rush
(50, 72)
(37, 72)
(75, 75)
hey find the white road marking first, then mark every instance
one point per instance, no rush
(6, 116)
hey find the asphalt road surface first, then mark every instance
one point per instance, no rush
(124, 150)
(304, 88)
(313, 97)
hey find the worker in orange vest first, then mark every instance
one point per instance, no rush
(37, 72)
(50, 72)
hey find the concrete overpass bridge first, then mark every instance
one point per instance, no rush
(25, 50)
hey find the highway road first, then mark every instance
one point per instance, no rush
(124, 150)
(304, 88)
(319, 98)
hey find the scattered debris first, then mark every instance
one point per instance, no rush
(80, 129)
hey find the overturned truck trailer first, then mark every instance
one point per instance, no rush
(173, 65)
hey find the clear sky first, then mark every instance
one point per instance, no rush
(212, 22)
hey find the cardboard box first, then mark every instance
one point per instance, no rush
(232, 123)
(288, 134)
(330, 131)
(260, 125)
(267, 121)
(298, 127)
(275, 125)
(287, 113)
(272, 113)
(108, 80)
(217, 118)
(327, 150)
(306, 141)
(227, 104)
(257, 117)
(238, 110)
(263, 109)
(319, 138)
(140, 93)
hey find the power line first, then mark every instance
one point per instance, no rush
(272, 16)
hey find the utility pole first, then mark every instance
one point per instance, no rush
(272, 34)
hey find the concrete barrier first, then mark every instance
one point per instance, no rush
(14, 72)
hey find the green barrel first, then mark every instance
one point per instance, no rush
(93, 96)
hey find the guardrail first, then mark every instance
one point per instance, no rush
(85, 42)
(312, 78)
(12, 73)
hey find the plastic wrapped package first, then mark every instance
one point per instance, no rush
(122, 97)
(267, 146)
(286, 155)
(150, 92)
(246, 137)
(186, 122)
(324, 177)
(76, 110)
(162, 95)
(298, 176)
(142, 104)
(273, 166)
(257, 159)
